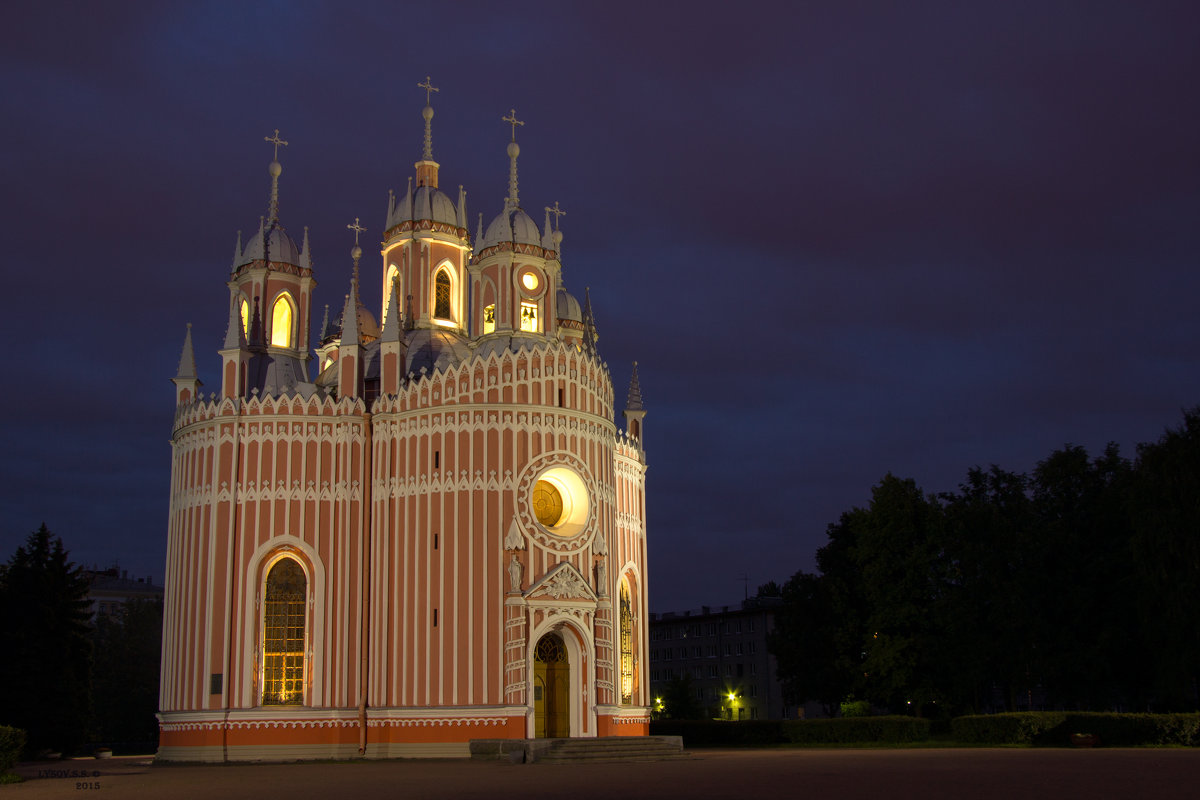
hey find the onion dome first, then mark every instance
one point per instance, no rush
(271, 244)
(426, 203)
(569, 313)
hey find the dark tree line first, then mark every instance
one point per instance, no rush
(1077, 586)
(65, 678)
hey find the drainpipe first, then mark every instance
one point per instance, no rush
(364, 586)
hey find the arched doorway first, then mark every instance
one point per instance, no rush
(551, 688)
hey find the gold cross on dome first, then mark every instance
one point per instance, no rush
(557, 212)
(275, 140)
(357, 230)
(512, 120)
(428, 87)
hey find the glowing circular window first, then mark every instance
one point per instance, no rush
(547, 503)
(530, 281)
(560, 502)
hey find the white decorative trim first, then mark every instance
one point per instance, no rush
(563, 582)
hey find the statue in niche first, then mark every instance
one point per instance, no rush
(601, 578)
(515, 571)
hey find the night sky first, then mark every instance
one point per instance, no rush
(840, 239)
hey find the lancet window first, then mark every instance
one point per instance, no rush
(281, 321)
(284, 623)
(626, 616)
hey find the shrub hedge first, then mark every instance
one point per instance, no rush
(12, 742)
(1056, 728)
(844, 730)
(721, 733)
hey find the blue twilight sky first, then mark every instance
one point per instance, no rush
(840, 238)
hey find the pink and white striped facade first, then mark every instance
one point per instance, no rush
(401, 481)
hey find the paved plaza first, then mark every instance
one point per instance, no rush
(783, 773)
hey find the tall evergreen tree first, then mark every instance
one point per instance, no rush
(44, 675)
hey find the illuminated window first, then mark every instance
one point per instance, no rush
(441, 295)
(627, 644)
(530, 281)
(529, 317)
(281, 321)
(547, 504)
(245, 318)
(489, 319)
(283, 634)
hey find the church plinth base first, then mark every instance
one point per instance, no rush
(635, 723)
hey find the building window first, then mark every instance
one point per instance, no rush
(489, 319)
(627, 644)
(441, 295)
(751, 624)
(281, 322)
(712, 670)
(739, 648)
(711, 629)
(529, 317)
(751, 645)
(712, 651)
(245, 318)
(737, 626)
(728, 649)
(283, 634)
(753, 668)
(667, 654)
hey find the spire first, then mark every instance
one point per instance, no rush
(461, 220)
(256, 326)
(633, 402)
(350, 312)
(514, 150)
(305, 255)
(427, 113)
(237, 251)
(325, 332)
(275, 168)
(391, 210)
(187, 360)
(187, 385)
(391, 323)
(479, 232)
(589, 321)
(235, 334)
(406, 207)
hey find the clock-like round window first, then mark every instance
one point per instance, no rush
(530, 281)
(559, 501)
(547, 503)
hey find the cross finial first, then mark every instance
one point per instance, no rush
(357, 228)
(275, 140)
(512, 120)
(428, 87)
(557, 212)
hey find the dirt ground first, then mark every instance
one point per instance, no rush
(875, 774)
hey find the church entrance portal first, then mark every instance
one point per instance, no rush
(551, 688)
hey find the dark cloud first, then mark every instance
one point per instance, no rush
(839, 240)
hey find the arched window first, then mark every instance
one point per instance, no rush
(626, 612)
(489, 318)
(283, 634)
(245, 317)
(281, 321)
(441, 295)
(529, 317)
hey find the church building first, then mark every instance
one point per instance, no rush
(436, 533)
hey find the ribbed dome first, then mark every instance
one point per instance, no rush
(279, 247)
(430, 203)
(512, 225)
(568, 307)
(366, 323)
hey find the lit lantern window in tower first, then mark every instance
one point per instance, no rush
(441, 295)
(529, 317)
(489, 319)
(245, 318)
(530, 281)
(281, 322)
(283, 634)
(626, 612)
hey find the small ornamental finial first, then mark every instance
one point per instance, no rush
(512, 120)
(275, 140)
(427, 86)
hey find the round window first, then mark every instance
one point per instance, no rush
(547, 504)
(560, 502)
(530, 281)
